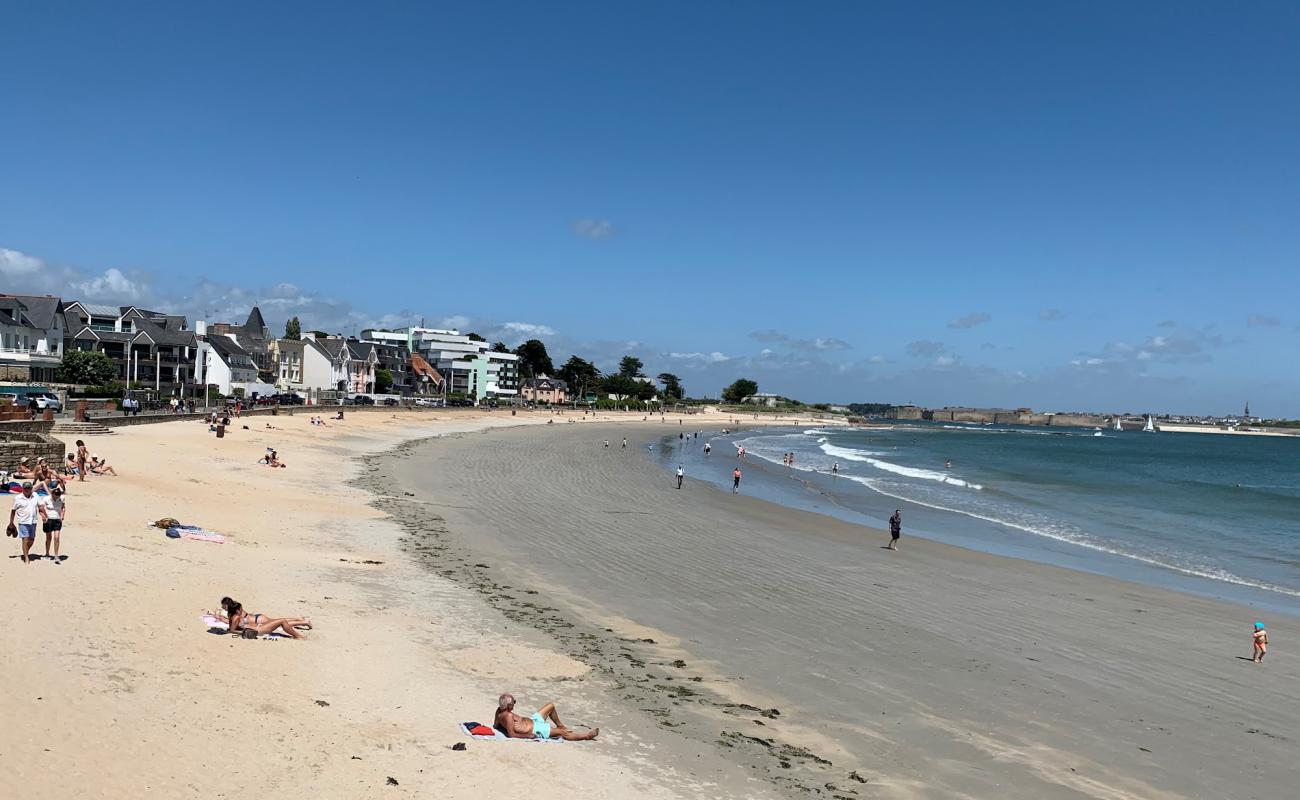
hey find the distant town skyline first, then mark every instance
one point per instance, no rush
(1062, 208)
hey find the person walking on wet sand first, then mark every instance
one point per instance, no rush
(735, 480)
(681, 473)
(708, 448)
(1260, 640)
(895, 529)
(624, 442)
(544, 724)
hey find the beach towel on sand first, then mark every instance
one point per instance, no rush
(215, 624)
(497, 736)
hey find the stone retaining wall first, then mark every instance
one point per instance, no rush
(26, 426)
(14, 445)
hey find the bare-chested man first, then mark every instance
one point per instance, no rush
(545, 724)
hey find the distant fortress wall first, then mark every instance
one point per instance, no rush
(1076, 420)
(981, 416)
(905, 412)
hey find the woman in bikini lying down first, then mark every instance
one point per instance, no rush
(241, 620)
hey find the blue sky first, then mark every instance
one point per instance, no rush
(1058, 205)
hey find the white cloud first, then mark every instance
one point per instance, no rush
(945, 361)
(706, 358)
(971, 320)
(457, 322)
(594, 228)
(876, 360)
(112, 285)
(14, 264)
(1262, 321)
(1051, 314)
(528, 329)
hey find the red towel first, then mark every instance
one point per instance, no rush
(481, 730)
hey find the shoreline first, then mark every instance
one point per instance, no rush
(1054, 594)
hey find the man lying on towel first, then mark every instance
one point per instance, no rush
(545, 724)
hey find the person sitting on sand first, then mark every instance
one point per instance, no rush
(240, 620)
(70, 465)
(545, 724)
(1260, 639)
(271, 459)
(24, 470)
(46, 478)
(98, 467)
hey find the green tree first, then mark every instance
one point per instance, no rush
(672, 385)
(533, 359)
(86, 366)
(474, 337)
(739, 390)
(580, 375)
(293, 329)
(630, 367)
(628, 388)
(383, 381)
(500, 347)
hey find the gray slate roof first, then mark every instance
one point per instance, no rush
(39, 310)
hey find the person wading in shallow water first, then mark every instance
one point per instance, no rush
(895, 529)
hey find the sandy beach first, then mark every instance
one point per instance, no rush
(725, 646)
(931, 672)
(117, 689)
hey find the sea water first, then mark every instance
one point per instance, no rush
(1216, 515)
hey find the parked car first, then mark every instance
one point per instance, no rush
(363, 400)
(428, 402)
(391, 401)
(46, 400)
(287, 399)
(33, 398)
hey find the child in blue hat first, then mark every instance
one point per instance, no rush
(1261, 642)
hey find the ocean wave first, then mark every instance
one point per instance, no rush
(1196, 570)
(864, 456)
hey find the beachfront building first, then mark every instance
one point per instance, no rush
(255, 338)
(288, 357)
(156, 350)
(325, 369)
(464, 365)
(544, 389)
(227, 365)
(423, 378)
(31, 338)
(763, 399)
(362, 361)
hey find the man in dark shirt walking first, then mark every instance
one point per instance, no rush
(895, 529)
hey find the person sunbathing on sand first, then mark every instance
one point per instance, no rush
(545, 724)
(24, 470)
(239, 620)
(99, 467)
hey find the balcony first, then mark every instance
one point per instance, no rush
(24, 355)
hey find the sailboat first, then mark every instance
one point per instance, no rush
(1118, 426)
(1150, 427)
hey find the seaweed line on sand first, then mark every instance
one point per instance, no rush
(664, 690)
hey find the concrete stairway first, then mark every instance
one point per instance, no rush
(69, 428)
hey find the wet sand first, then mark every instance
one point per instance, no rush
(792, 644)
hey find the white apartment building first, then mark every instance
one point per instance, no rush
(468, 366)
